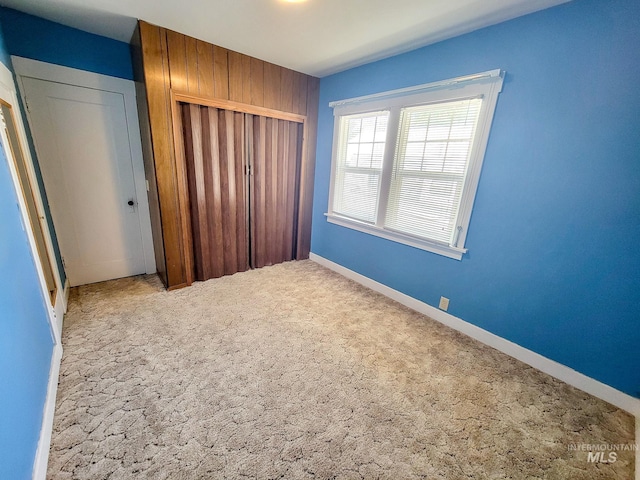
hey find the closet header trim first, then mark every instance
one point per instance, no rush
(237, 107)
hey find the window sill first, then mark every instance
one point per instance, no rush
(440, 249)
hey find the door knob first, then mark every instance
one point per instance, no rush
(130, 203)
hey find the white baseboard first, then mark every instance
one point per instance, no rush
(544, 364)
(44, 443)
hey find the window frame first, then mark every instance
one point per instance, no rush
(486, 85)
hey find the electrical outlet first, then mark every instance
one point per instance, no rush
(444, 304)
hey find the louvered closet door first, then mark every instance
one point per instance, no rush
(274, 153)
(215, 152)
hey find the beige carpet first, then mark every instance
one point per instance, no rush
(294, 372)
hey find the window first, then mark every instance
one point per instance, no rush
(406, 163)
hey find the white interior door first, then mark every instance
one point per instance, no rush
(84, 151)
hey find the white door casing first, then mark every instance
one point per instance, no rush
(56, 311)
(85, 129)
(86, 166)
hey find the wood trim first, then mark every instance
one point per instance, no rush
(30, 196)
(183, 191)
(222, 104)
(308, 171)
(177, 286)
(156, 71)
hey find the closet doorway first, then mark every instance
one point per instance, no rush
(242, 173)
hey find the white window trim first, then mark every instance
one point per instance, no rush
(486, 84)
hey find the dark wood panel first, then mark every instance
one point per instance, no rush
(191, 52)
(236, 77)
(156, 67)
(205, 67)
(281, 170)
(241, 191)
(258, 193)
(308, 170)
(213, 194)
(194, 160)
(257, 82)
(226, 127)
(246, 86)
(177, 61)
(292, 189)
(221, 72)
(272, 85)
(287, 91)
(272, 159)
(300, 98)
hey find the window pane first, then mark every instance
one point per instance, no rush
(456, 157)
(359, 196)
(354, 128)
(368, 129)
(365, 154)
(351, 156)
(425, 207)
(381, 129)
(430, 164)
(378, 155)
(359, 165)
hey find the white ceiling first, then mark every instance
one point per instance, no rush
(318, 37)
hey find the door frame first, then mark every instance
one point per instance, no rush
(25, 67)
(8, 93)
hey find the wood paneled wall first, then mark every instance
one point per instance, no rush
(170, 62)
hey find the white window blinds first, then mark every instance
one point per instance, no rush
(430, 165)
(359, 165)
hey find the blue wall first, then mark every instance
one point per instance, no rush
(552, 262)
(26, 344)
(4, 53)
(39, 39)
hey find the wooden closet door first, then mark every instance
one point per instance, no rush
(275, 148)
(215, 152)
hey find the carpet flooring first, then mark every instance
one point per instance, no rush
(294, 372)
